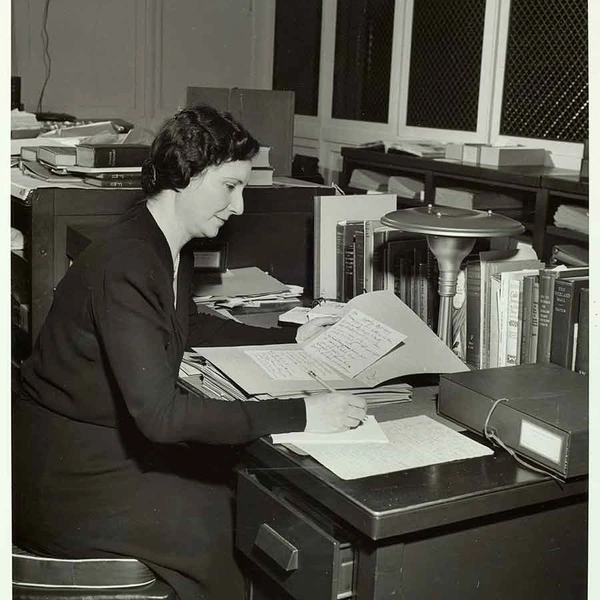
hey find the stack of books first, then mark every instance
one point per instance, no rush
(262, 171)
(97, 164)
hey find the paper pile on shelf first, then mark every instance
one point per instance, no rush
(20, 119)
(244, 289)
(572, 217)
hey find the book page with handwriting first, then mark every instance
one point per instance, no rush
(414, 442)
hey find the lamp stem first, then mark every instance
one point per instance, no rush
(449, 253)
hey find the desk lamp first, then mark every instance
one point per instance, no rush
(451, 234)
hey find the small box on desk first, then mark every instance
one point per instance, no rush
(544, 416)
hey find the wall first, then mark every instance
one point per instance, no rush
(134, 58)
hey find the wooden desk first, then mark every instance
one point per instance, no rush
(480, 528)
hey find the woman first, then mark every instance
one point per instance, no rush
(110, 457)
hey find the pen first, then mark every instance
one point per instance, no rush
(321, 381)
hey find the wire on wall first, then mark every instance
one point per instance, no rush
(46, 54)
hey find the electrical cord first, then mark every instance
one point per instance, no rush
(46, 55)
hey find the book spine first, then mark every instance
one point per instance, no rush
(424, 303)
(459, 316)
(495, 321)
(535, 319)
(317, 250)
(564, 318)
(514, 319)
(379, 260)
(368, 265)
(117, 176)
(582, 349)
(359, 261)
(526, 337)
(116, 183)
(339, 257)
(473, 313)
(546, 307)
(349, 259)
(119, 157)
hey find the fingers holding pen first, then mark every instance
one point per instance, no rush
(334, 412)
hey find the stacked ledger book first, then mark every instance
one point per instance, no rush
(104, 165)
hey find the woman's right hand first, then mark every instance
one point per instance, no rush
(334, 412)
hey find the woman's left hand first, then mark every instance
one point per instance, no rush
(313, 328)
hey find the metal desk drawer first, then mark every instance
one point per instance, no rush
(289, 546)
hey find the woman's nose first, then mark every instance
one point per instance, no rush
(237, 203)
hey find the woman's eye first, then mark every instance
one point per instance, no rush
(230, 186)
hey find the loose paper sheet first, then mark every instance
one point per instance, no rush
(354, 343)
(414, 442)
(368, 432)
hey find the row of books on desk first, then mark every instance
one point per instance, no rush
(510, 307)
(522, 312)
(371, 256)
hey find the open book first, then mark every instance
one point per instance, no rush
(377, 339)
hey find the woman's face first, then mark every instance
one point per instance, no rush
(212, 197)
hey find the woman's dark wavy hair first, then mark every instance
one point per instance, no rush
(194, 139)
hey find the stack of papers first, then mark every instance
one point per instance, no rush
(301, 314)
(377, 341)
(244, 288)
(573, 217)
(20, 119)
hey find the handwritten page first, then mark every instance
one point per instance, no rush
(354, 343)
(368, 432)
(414, 442)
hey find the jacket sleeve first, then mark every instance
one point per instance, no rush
(208, 330)
(133, 314)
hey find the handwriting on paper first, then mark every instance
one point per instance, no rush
(354, 343)
(291, 365)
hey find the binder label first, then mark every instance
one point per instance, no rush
(541, 441)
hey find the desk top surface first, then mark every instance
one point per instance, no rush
(398, 503)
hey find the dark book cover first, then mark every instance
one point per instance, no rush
(582, 348)
(473, 351)
(527, 328)
(546, 307)
(345, 258)
(564, 319)
(359, 261)
(112, 155)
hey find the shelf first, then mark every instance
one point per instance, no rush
(540, 189)
(567, 234)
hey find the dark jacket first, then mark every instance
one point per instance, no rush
(112, 343)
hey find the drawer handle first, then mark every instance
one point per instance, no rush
(277, 547)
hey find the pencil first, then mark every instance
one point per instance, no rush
(319, 380)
